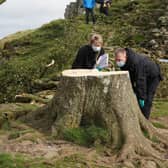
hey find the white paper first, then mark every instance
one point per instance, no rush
(163, 60)
(103, 61)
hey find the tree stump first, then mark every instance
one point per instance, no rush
(106, 99)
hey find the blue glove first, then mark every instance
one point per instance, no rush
(141, 103)
(98, 68)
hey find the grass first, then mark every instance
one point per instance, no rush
(153, 138)
(145, 133)
(18, 161)
(160, 109)
(28, 52)
(73, 161)
(87, 136)
(17, 134)
(159, 125)
(9, 112)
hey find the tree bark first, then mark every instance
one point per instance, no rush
(106, 99)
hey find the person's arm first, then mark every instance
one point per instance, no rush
(79, 61)
(102, 52)
(141, 82)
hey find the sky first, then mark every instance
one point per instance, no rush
(17, 15)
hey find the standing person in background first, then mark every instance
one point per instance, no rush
(89, 7)
(104, 6)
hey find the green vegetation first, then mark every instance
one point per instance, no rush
(2, 1)
(9, 161)
(129, 22)
(18, 161)
(17, 134)
(29, 51)
(26, 57)
(146, 134)
(160, 109)
(87, 136)
(159, 125)
(73, 161)
(153, 138)
(14, 111)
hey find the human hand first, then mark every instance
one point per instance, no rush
(141, 103)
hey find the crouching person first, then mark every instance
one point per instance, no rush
(144, 74)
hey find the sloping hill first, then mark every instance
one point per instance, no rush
(141, 25)
(2, 1)
(24, 59)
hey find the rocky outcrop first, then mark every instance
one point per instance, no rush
(160, 35)
(158, 45)
(73, 9)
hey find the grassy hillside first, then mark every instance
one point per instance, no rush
(23, 56)
(24, 59)
(2, 1)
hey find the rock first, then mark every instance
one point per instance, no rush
(166, 42)
(163, 20)
(154, 44)
(163, 30)
(74, 9)
(156, 32)
(159, 53)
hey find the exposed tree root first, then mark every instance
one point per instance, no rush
(137, 150)
(105, 99)
(153, 132)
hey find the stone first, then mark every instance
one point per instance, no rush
(74, 9)
(156, 32)
(154, 44)
(163, 20)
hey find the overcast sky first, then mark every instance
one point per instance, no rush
(17, 15)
